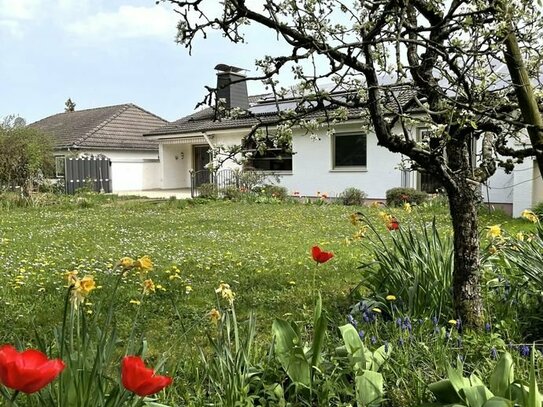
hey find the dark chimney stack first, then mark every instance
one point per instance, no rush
(232, 94)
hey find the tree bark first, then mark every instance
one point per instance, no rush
(463, 200)
(525, 94)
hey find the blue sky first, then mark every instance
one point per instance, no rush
(106, 52)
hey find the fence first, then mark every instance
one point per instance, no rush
(221, 179)
(92, 173)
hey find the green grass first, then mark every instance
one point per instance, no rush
(261, 250)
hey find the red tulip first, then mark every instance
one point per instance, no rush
(27, 371)
(319, 256)
(141, 380)
(393, 224)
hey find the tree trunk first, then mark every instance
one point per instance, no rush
(466, 279)
(463, 200)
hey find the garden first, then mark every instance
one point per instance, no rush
(261, 300)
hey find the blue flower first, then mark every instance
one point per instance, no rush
(373, 340)
(524, 350)
(398, 321)
(493, 353)
(351, 320)
(435, 321)
(488, 327)
(361, 334)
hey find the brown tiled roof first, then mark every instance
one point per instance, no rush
(119, 127)
(262, 110)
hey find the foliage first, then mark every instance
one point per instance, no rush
(399, 196)
(207, 191)
(415, 264)
(275, 191)
(26, 155)
(353, 196)
(538, 209)
(503, 390)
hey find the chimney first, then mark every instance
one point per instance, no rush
(233, 95)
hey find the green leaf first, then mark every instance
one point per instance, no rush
(354, 345)
(458, 381)
(378, 358)
(369, 388)
(502, 376)
(476, 396)
(318, 309)
(498, 402)
(444, 391)
(290, 353)
(534, 397)
(318, 340)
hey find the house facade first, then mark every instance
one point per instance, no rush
(325, 164)
(115, 132)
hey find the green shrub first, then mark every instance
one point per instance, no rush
(399, 196)
(232, 193)
(353, 196)
(207, 191)
(538, 209)
(275, 191)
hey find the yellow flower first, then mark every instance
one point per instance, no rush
(353, 218)
(494, 231)
(126, 263)
(86, 285)
(377, 310)
(144, 263)
(214, 315)
(226, 292)
(188, 289)
(529, 215)
(136, 302)
(391, 297)
(407, 207)
(452, 321)
(385, 217)
(520, 236)
(148, 286)
(71, 276)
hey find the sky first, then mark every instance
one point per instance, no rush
(107, 52)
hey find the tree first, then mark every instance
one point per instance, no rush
(70, 106)
(408, 63)
(25, 155)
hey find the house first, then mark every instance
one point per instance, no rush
(115, 132)
(348, 158)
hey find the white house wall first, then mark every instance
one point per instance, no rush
(176, 162)
(131, 170)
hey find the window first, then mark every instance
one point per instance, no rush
(60, 168)
(349, 150)
(274, 158)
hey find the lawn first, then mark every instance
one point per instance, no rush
(261, 250)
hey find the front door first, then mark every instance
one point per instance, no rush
(201, 158)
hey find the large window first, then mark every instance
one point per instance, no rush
(273, 159)
(349, 151)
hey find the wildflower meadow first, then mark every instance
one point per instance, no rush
(271, 302)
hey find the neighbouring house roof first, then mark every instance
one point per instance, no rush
(262, 109)
(119, 127)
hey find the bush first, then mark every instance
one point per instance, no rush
(232, 193)
(399, 196)
(353, 196)
(538, 209)
(207, 191)
(275, 191)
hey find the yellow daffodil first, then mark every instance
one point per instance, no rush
(126, 263)
(144, 263)
(494, 231)
(226, 292)
(452, 321)
(385, 217)
(215, 316)
(407, 207)
(520, 236)
(188, 289)
(377, 310)
(529, 215)
(353, 218)
(80, 288)
(135, 302)
(391, 297)
(148, 286)
(86, 285)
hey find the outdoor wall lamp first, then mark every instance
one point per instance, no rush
(181, 154)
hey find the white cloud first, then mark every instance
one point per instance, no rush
(12, 28)
(127, 22)
(19, 9)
